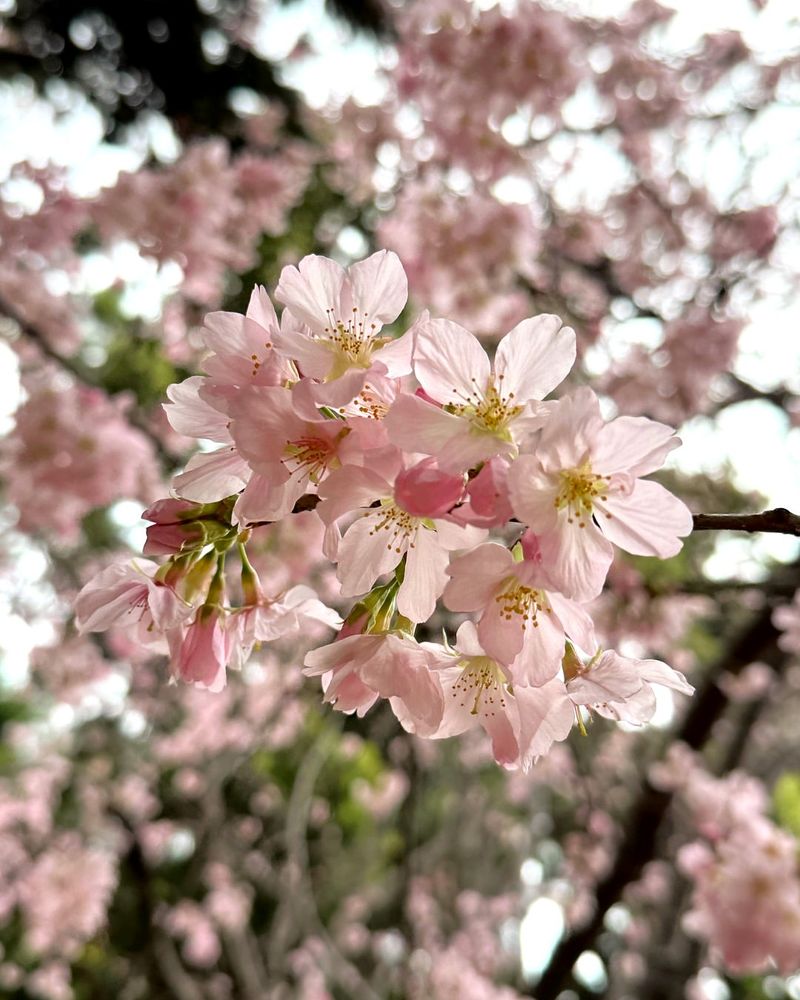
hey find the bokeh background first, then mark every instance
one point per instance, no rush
(632, 167)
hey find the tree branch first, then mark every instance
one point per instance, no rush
(777, 521)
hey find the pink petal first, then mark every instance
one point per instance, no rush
(261, 310)
(379, 287)
(467, 641)
(396, 355)
(425, 577)
(269, 497)
(648, 522)
(532, 494)
(534, 358)
(577, 558)
(611, 679)
(637, 709)
(540, 655)
(575, 621)
(474, 577)
(115, 592)
(191, 415)
(634, 445)
(572, 427)
(365, 553)
(347, 489)
(311, 289)
(313, 357)
(656, 672)
(211, 476)
(504, 740)
(417, 426)
(425, 491)
(449, 362)
(263, 422)
(546, 716)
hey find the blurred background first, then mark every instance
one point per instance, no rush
(632, 167)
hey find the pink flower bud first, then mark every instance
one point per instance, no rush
(171, 528)
(425, 491)
(204, 651)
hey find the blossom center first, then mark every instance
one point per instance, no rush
(352, 341)
(312, 455)
(523, 602)
(482, 683)
(257, 361)
(400, 525)
(488, 410)
(579, 489)
(369, 404)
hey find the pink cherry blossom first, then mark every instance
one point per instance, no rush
(380, 537)
(522, 620)
(201, 652)
(621, 688)
(345, 311)
(242, 346)
(482, 410)
(129, 594)
(477, 692)
(580, 489)
(264, 620)
(387, 665)
(289, 454)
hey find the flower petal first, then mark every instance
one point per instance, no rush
(449, 362)
(546, 716)
(650, 521)
(474, 577)
(211, 476)
(635, 445)
(312, 290)
(425, 577)
(365, 553)
(534, 358)
(379, 287)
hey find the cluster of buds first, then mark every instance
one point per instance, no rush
(439, 475)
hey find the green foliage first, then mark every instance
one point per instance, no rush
(138, 366)
(99, 531)
(786, 801)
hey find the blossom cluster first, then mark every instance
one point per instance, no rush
(439, 474)
(743, 868)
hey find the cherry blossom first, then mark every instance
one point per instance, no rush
(522, 621)
(482, 410)
(381, 537)
(345, 312)
(385, 665)
(580, 489)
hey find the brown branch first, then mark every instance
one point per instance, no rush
(777, 521)
(744, 392)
